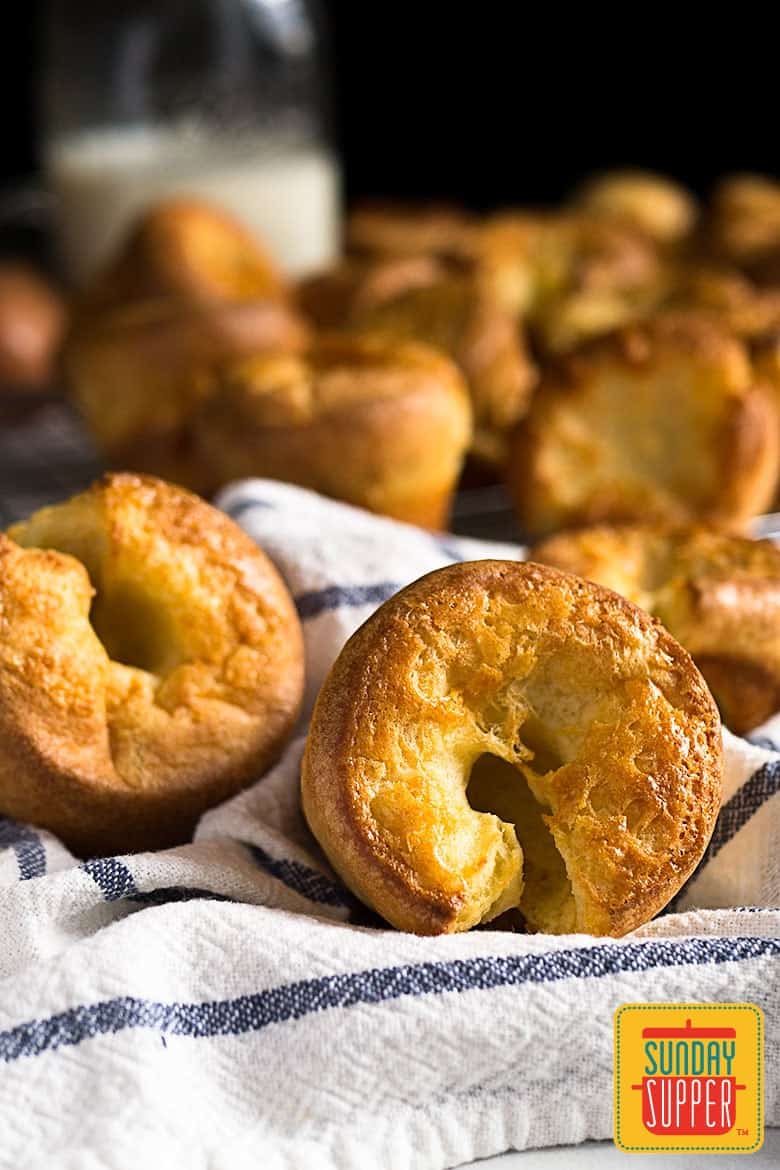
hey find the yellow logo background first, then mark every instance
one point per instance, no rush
(631, 1062)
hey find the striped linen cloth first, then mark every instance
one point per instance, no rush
(227, 1004)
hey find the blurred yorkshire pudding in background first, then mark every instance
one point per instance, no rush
(744, 308)
(419, 299)
(486, 343)
(661, 420)
(380, 423)
(573, 276)
(744, 225)
(137, 374)
(718, 595)
(32, 322)
(659, 207)
(185, 249)
(396, 230)
(503, 736)
(151, 665)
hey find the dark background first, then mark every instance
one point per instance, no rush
(496, 102)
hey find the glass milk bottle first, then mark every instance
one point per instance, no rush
(222, 99)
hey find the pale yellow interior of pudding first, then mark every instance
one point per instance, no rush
(131, 611)
(515, 795)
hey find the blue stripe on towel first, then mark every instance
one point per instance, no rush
(745, 802)
(27, 845)
(251, 1013)
(301, 878)
(241, 507)
(112, 877)
(763, 741)
(164, 895)
(319, 601)
(734, 814)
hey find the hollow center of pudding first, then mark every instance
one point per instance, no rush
(132, 627)
(515, 794)
(131, 617)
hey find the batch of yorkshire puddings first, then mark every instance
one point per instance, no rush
(534, 745)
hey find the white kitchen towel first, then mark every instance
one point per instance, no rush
(227, 1004)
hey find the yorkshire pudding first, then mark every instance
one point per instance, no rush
(501, 735)
(151, 664)
(138, 373)
(661, 420)
(380, 423)
(486, 343)
(185, 249)
(418, 299)
(660, 208)
(573, 276)
(744, 225)
(718, 595)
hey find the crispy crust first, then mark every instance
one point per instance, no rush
(379, 423)
(138, 373)
(661, 420)
(129, 701)
(512, 659)
(718, 595)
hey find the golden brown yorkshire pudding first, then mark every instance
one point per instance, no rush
(748, 310)
(503, 735)
(456, 316)
(151, 664)
(379, 423)
(398, 229)
(574, 276)
(718, 595)
(661, 420)
(416, 298)
(659, 207)
(185, 249)
(139, 372)
(744, 225)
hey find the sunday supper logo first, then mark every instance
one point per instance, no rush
(689, 1077)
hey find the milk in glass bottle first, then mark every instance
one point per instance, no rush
(221, 99)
